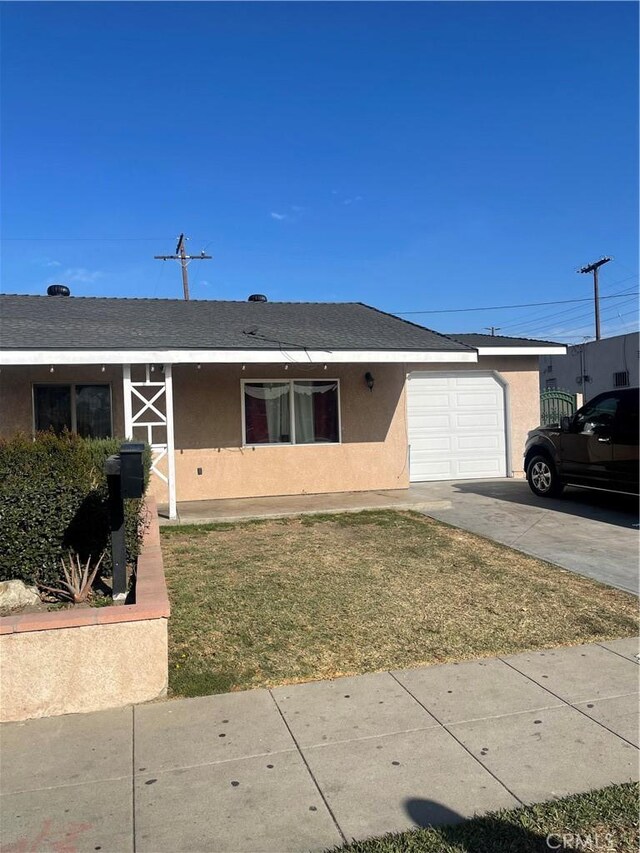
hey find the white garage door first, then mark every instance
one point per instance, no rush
(456, 426)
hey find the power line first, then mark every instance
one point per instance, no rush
(538, 316)
(83, 239)
(572, 333)
(586, 324)
(498, 307)
(541, 328)
(546, 318)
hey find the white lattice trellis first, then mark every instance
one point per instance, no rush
(155, 414)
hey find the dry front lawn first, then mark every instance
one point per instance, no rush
(278, 601)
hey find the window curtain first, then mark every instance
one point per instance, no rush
(316, 408)
(267, 413)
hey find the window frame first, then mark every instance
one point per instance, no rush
(292, 412)
(72, 386)
(593, 404)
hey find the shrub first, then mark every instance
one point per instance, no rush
(53, 499)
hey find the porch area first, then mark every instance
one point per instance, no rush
(418, 497)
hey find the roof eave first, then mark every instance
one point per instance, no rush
(232, 356)
(540, 349)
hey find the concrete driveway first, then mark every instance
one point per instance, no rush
(591, 533)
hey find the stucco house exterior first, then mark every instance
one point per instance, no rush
(246, 399)
(594, 366)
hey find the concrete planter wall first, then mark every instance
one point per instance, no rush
(92, 658)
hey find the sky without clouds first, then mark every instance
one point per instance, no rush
(414, 156)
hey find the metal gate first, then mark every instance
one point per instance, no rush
(556, 404)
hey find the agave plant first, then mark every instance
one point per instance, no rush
(78, 579)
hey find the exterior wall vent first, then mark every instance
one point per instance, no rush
(621, 379)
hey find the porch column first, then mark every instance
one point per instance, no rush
(171, 457)
(154, 411)
(126, 394)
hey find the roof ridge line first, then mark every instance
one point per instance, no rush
(415, 325)
(177, 299)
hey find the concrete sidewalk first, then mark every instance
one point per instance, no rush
(306, 767)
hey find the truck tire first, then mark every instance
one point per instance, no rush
(543, 478)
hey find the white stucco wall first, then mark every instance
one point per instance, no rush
(601, 360)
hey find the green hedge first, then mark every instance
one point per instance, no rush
(53, 493)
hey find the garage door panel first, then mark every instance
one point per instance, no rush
(434, 421)
(477, 468)
(485, 422)
(440, 443)
(479, 442)
(434, 470)
(436, 401)
(438, 382)
(457, 434)
(473, 402)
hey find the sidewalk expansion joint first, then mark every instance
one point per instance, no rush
(502, 716)
(579, 710)
(614, 652)
(101, 781)
(434, 725)
(213, 763)
(530, 527)
(310, 771)
(458, 741)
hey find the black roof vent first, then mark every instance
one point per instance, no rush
(58, 290)
(257, 297)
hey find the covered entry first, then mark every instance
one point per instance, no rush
(457, 425)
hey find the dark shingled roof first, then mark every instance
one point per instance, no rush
(478, 340)
(71, 322)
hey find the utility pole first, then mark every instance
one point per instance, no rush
(594, 267)
(493, 330)
(185, 260)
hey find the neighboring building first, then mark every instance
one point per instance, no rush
(593, 367)
(243, 399)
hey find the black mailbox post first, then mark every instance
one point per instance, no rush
(125, 479)
(132, 469)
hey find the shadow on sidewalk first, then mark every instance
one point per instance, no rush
(485, 834)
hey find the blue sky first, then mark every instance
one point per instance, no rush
(409, 155)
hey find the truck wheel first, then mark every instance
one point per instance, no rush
(543, 478)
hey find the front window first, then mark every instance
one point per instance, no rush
(267, 412)
(85, 409)
(294, 412)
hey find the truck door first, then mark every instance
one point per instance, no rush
(625, 443)
(587, 449)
